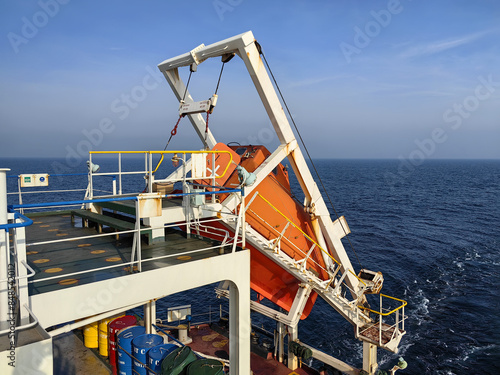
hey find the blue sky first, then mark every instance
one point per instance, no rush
(364, 79)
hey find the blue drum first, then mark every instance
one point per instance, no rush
(124, 340)
(141, 345)
(156, 355)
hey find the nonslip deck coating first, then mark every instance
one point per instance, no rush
(64, 258)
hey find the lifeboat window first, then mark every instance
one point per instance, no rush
(275, 171)
(241, 150)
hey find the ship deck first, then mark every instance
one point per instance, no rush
(58, 265)
(207, 339)
(79, 253)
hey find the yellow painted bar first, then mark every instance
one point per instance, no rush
(404, 303)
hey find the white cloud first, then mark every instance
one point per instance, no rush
(314, 81)
(441, 45)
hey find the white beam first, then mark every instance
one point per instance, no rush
(332, 361)
(263, 171)
(78, 302)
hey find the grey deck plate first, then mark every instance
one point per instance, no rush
(62, 258)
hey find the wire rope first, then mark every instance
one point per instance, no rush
(307, 152)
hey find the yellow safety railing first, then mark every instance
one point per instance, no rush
(306, 235)
(173, 152)
(403, 304)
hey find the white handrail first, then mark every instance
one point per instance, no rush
(22, 277)
(26, 326)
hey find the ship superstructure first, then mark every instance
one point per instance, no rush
(240, 224)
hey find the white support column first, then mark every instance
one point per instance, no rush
(281, 341)
(239, 329)
(150, 316)
(20, 239)
(299, 303)
(147, 317)
(369, 358)
(4, 252)
(293, 334)
(152, 311)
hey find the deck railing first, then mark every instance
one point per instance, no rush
(60, 181)
(136, 259)
(192, 168)
(393, 325)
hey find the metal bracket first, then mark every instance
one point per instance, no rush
(193, 54)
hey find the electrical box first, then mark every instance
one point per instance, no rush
(178, 313)
(197, 199)
(34, 180)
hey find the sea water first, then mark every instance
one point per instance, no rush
(434, 232)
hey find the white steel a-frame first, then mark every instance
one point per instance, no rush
(246, 47)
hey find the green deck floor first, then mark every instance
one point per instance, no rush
(60, 259)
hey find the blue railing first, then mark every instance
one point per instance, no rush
(113, 199)
(26, 221)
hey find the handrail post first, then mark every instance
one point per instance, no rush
(4, 252)
(397, 319)
(186, 198)
(119, 173)
(243, 218)
(403, 318)
(20, 194)
(138, 235)
(91, 180)
(238, 223)
(357, 322)
(380, 322)
(150, 173)
(213, 177)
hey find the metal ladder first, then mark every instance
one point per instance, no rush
(330, 290)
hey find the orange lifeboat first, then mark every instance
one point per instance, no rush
(274, 213)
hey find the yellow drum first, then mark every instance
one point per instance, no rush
(103, 335)
(90, 335)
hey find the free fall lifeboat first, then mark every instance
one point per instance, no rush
(267, 278)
